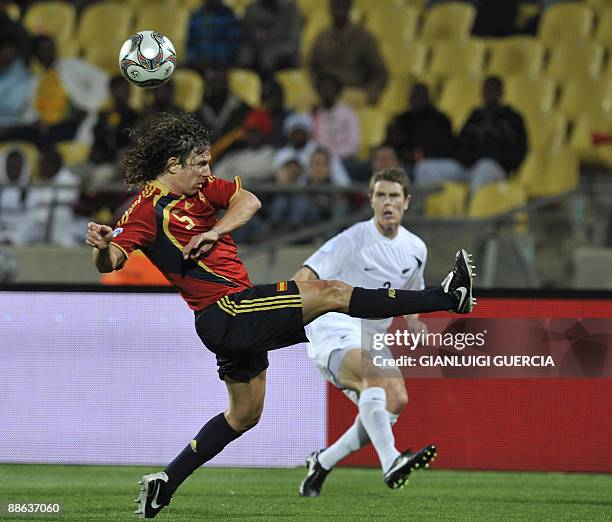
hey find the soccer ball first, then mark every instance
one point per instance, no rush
(147, 59)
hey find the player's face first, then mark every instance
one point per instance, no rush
(190, 177)
(389, 204)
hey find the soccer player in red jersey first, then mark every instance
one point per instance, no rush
(173, 221)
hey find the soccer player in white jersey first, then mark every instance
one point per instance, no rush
(375, 253)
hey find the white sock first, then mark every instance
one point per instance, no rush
(375, 419)
(351, 440)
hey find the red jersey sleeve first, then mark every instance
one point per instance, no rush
(219, 192)
(137, 228)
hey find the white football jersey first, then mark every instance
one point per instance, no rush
(362, 256)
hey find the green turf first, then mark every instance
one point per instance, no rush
(106, 493)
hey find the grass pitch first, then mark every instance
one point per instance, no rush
(106, 493)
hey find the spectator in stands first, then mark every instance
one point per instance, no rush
(16, 224)
(323, 206)
(288, 175)
(111, 130)
(273, 99)
(272, 36)
(12, 30)
(163, 100)
(495, 18)
(296, 209)
(68, 94)
(111, 135)
(350, 52)
(384, 157)
(52, 203)
(214, 36)
(335, 124)
(493, 141)
(15, 89)
(222, 111)
(300, 147)
(422, 131)
(254, 162)
(422, 136)
(381, 157)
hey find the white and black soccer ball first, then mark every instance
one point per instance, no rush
(147, 59)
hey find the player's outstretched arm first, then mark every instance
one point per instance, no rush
(106, 257)
(240, 210)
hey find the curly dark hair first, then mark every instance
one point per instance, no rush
(159, 137)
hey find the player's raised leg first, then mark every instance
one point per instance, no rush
(246, 405)
(455, 295)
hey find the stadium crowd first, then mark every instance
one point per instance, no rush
(302, 94)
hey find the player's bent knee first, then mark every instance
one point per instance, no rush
(337, 294)
(244, 421)
(245, 417)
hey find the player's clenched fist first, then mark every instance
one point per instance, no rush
(98, 236)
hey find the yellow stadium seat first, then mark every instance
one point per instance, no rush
(55, 19)
(315, 22)
(520, 55)
(581, 140)
(69, 49)
(527, 94)
(355, 97)
(566, 22)
(139, 5)
(298, 91)
(170, 20)
(448, 202)
(246, 85)
(394, 98)
(307, 7)
(188, 89)
(459, 97)
(238, 6)
(448, 21)
(453, 58)
(137, 98)
(569, 60)
(373, 126)
(604, 27)
(104, 54)
(586, 95)
(404, 59)
(415, 3)
(194, 5)
(111, 19)
(73, 152)
(546, 130)
(547, 173)
(598, 5)
(367, 6)
(495, 199)
(29, 151)
(13, 11)
(393, 23)
(310, 8)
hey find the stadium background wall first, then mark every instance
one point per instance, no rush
(81, 384)
(505, 424)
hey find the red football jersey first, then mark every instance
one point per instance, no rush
(161, 223)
